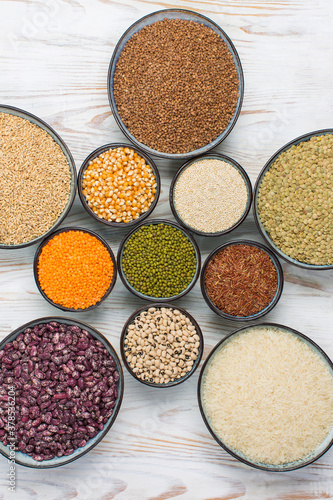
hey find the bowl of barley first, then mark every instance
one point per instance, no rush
(118, 185)
(37, 178)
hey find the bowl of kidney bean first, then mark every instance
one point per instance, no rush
(61, 387)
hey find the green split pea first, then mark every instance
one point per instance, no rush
(159, 260)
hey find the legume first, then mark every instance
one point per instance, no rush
(210, 195)
(118, 185)
(241, 280)
(295, 201)
(180, 98)
(161, 345)
(35, 180)
(159, 260)
(75, 269)
(66, 386)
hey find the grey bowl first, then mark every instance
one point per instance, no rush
(27, 460)
(211, 156)
(259, 224)
(124, 335)
(151, 19)
(321, 449)
(37, 121)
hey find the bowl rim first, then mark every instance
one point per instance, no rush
(231, 47)
(160, 305)
(65, 230)
(120, 384)
(288, 145)
(201, 405)
(71, 165)
(224, 158)
(147, 297)
(97, 152)
(279, 287)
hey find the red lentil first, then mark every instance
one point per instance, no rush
(75, 269)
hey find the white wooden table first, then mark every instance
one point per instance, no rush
(54, 56)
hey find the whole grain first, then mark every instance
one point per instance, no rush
(268, 396)
(176, 85)
(210, 195)
(35, 180)
(118, 185)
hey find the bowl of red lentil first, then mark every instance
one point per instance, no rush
(159, 261)
(118, 185)
(242, 280)
(68, 389)
(183, 100)
(37, 178)
(211, 195)
(293, 204)
(161, 345)
(75, 269)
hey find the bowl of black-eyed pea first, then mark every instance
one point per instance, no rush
(161, 345)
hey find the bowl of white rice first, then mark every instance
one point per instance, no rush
(265, 393)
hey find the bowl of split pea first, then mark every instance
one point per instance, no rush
(293, 203)
(161, 345)
(74, 269)
(159, 261)
(211, 195)
(118, 185)
(242, 280)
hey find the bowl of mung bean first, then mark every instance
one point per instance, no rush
(242, 280)
(75, 269)
(198, 76)
(161, 345)
(118, 185)
(211, 195)
(159, 261)
(67, 391)
(293, 204)
(37, 178)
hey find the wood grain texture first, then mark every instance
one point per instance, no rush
(54, 57)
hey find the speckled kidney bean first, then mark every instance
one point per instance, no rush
(66, 389)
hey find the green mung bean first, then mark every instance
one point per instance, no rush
(295, 201)
(159, 260)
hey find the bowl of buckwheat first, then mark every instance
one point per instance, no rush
(161, 345)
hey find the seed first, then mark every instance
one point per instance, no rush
(111, 197)
(295, 201)
(163, 268)
(241, 280)
(210, 195)
(163, 361)
(75, 269)
(35, 180)
(72, 407)
(184, 88)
